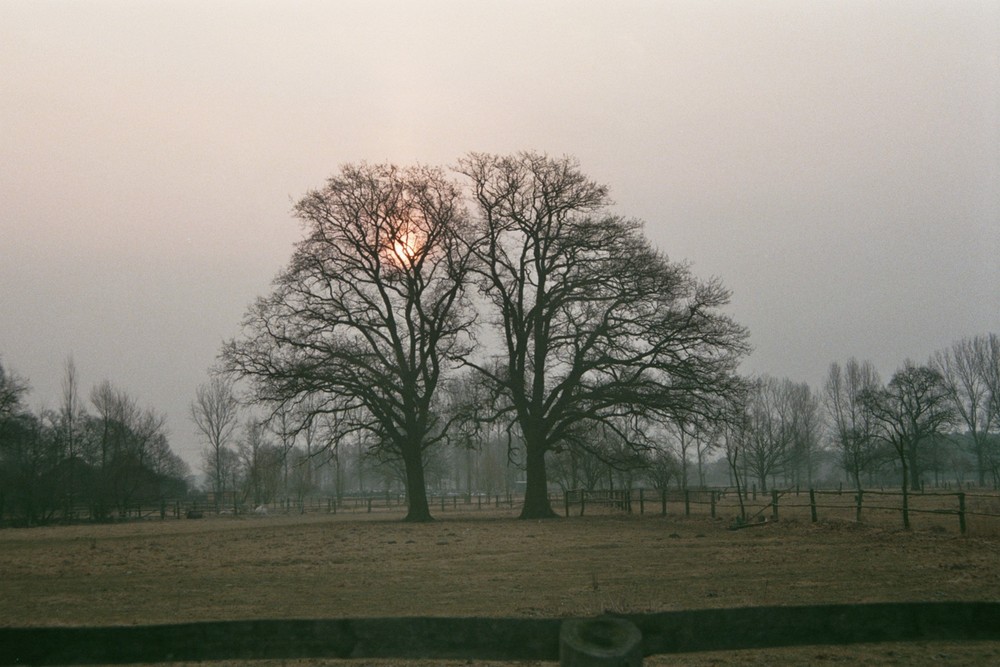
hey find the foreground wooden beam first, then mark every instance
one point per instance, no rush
(495, 638)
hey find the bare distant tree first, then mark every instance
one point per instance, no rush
(684, 439)
(735, 432)
(991, 371)
(215, 411)
(597, 328)
(965, 369)
(770, 429)
(707, 439)
(12, 391)
(910, 413)
(71, 415)
(851, 422)
(260, 461)
(126, 440)
(370, 313)
(806, 445)
(664, 467)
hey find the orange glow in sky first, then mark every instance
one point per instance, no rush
(405, 247)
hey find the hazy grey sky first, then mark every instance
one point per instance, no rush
(837, 164)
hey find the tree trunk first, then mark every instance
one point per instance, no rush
(914, 465)
(536, 494)
(980, 458)
(906, 495)
(416, 492)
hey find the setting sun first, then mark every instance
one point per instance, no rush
(406, 247)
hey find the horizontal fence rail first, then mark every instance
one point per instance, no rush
(955, 508)
(199, 507)
(496, 638)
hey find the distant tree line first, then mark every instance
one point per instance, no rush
(100, 459)
(932, 422)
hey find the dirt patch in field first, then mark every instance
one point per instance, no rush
(321, 566)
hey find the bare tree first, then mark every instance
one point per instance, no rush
(909, 414)
(684, 433)
(965, 369)
(707, 438)
(852, 426)
(663, 468)
(770, 429)
(215, 412)
(71, 415)
(735, 428)
(126, 441)
(370, 313)
(991, 371)
(806, 445)
(260, 461)
(595, 324)
(13, 388)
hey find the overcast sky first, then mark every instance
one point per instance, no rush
(836, 164)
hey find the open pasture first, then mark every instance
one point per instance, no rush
(350, 566)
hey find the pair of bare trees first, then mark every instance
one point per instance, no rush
(568, 318)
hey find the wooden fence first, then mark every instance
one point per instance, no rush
(938, 509)
(963, 511)
(199, 507)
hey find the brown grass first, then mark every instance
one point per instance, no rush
(488, 564)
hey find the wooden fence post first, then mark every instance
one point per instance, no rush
(711, 498)
(812, 505)
(774, 504)
(642, 502)
(583, 501)
(566, 501)
(687, 503)
(961, 513)
(861, 499)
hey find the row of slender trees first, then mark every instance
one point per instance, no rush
(251, 460)
(99, 459)
(943, 415)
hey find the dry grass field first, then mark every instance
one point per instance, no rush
(488, 564)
